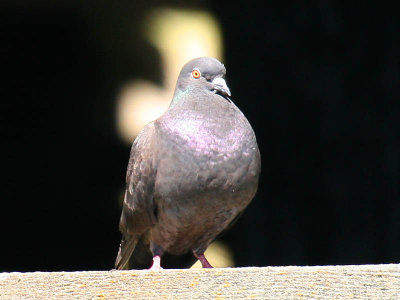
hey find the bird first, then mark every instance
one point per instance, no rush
(191, 173)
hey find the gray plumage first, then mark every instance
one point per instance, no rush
(191, 172)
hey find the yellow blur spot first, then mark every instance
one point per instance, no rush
(179, 35)
(219, 256)
(139, 103)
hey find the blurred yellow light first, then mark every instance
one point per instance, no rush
(179, 35)
(219, 256)
(139, 103)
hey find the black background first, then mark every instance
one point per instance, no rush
(319, 82)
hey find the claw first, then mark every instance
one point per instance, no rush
(156, 264)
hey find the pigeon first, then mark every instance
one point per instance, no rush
(191, 172)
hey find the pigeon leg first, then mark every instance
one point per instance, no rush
(157, 252)
(156, 263)
(203, 260)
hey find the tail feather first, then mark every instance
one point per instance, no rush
(126, 249)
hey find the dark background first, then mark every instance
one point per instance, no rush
(319, 82)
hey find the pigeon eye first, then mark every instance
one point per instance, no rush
(196, 73)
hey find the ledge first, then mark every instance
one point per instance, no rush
(327, 282)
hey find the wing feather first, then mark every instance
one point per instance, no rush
(138, 208)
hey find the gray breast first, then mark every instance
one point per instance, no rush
(207, 172)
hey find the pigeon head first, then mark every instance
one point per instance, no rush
(204, 73)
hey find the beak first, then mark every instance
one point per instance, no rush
(220, 86)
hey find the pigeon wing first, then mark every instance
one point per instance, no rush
(138, 212)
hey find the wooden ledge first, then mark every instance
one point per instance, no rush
(326, 282)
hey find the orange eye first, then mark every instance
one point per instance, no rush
(196, 73)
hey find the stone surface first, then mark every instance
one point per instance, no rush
(320, 282)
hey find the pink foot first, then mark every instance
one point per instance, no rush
(204, 261)
(156, 264)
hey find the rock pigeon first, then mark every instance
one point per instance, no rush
(191, 172)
